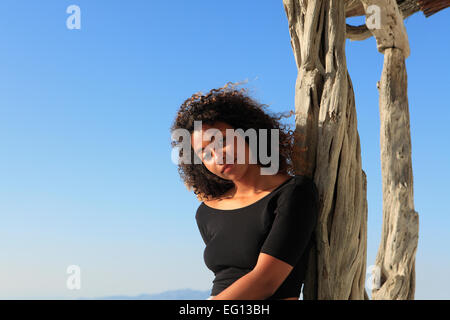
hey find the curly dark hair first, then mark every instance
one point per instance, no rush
(236, 108)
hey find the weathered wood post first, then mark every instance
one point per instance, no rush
(396, 254)
(328, 148)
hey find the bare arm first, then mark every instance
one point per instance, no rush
(260, 283)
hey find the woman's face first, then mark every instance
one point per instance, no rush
(208, 150)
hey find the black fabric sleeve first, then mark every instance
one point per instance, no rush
(201, 228)
(294, 222)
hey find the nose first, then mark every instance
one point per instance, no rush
(219, 157)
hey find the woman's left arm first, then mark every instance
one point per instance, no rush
(260, 283)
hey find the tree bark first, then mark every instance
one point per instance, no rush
(400, 233)
(395, 261)
(328, 149)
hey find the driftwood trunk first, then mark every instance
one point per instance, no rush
(395, 261)
(328, 149)
(399, 237)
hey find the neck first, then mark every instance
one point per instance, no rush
(252, 182)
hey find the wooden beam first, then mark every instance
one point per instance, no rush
(389, 29)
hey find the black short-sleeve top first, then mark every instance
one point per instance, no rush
(280, 224)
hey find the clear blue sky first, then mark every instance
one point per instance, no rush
(86, 176)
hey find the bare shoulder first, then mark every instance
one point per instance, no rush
(219, 200)
(210, 203)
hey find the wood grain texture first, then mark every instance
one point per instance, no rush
(400, 233)
(328, 148)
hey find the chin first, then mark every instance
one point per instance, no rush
(226, 176)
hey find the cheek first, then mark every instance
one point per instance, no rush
(210, 166)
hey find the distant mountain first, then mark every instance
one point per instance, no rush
(181, 294)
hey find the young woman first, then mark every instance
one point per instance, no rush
(257, 228)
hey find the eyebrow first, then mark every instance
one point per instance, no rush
(200, 149)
